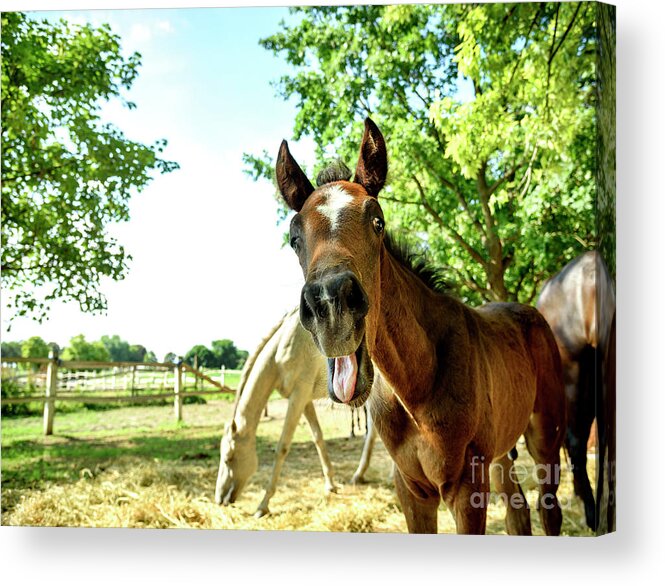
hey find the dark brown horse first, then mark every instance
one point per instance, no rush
(450, 388)
(578, 303)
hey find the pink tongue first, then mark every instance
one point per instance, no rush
(344, 377)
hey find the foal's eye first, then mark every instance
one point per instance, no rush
(295, 243)
(378, 225)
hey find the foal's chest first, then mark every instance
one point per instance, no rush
(422, 450)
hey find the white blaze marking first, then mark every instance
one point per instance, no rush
(337, 199)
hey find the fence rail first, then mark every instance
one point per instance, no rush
(76, 380)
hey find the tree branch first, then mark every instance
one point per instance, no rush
(435, 131)
(526, 179)
(526, 42)
(458, 193)
(499, 182)
(394, 199)
(565, 34)
(549, 60)
(469, 281)
(484, 193)
(454, 234)
(523, 275)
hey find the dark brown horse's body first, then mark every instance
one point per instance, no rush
(450, 389)
(579, 304)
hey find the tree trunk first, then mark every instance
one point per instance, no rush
(496, 266)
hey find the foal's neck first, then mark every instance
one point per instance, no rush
(409, 322)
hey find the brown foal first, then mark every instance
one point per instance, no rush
(450, 388)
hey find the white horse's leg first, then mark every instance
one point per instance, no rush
(368, 446)
(317, 436)
(293, 413)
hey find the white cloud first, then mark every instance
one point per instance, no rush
(139, 34)
(164, 26)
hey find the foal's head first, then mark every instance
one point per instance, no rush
(338, 234)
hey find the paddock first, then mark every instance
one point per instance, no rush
(137, 467)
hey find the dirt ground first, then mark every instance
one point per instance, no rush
(135, 467)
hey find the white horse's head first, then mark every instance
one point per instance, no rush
(237, 463)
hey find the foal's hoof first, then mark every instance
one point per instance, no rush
(332, 489)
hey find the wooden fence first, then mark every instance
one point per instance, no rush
(109, 382)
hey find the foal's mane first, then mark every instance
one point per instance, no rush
(417, 263)
(405, 254)
(335, 171)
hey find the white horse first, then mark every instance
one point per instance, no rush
(288, 361)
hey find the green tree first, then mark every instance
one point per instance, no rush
(11, 349)
(35, 347)
(117, 347)
(65, 173)
(226, 353)
(137, 353)
(122, 351)
(170, 357)
(204, 356)
(488, 112)
(80, 349)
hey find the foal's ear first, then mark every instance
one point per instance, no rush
(372, 165)
(292, 182)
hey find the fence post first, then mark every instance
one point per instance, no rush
(177, 389)
(133, 387)
(222, 376)
(51, 388)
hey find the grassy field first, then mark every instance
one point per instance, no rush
(135, 467)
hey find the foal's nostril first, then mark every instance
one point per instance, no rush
(356, 299)
(309, 301)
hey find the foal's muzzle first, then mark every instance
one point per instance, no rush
(332, 308)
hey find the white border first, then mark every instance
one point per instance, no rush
(77, 556)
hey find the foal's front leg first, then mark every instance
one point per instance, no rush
(470, 500)
(420, 513)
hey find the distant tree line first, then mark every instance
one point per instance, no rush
(115, 349)
(222, 353)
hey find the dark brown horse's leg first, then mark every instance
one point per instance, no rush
(420, 513)
(518, 515)
(543, 440)
(581, 406)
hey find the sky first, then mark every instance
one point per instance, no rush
(208, 261)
